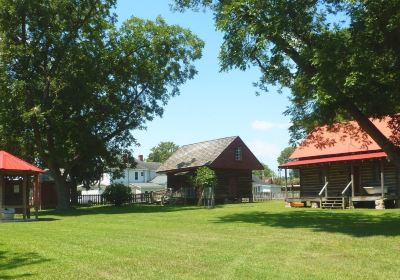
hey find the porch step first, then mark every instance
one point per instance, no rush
(332, 203)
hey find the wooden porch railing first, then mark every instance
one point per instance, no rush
(344, 194)
(324, 189)
(347, 187)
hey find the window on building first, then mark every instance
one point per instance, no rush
(142, 174)
(376, 172)
(136, 175)
(238, 153)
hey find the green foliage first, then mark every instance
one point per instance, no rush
(266, 172)
(205, 177)
(340, 59)
(117, 194)
(162, 151)
(74, 85)
(283, 158)
(285, 154)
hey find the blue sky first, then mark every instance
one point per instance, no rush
(213, 104)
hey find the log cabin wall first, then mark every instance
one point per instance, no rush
(339, 175)
(13, 192)
(232, 185)
(310, 180)
(370, 175)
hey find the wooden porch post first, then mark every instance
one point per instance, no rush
(382, 180)
(24, 198)
(326, 180)
(352, 185)
(1, 195)
(286, 192)
(352, 180)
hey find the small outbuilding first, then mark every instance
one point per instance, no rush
(229, 157)
(341, 168)
(19, 185)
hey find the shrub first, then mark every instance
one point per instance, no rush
(117, 194)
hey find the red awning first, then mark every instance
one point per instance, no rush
(12, 163)
(297, 163)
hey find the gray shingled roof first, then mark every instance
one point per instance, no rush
(160, 179)
(147, 165)
(197, 154)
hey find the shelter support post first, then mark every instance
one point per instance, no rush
(36, 195)
(326, 181)
(1, 196)
(24, 196)
(286, 192)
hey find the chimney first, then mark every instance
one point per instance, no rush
(140, 157)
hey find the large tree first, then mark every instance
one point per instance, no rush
(73, 86)
(339, 58)
(284, 155)
(284, 158)
(162, 151)
(266, 172)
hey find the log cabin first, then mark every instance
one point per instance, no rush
(229, 157)
(342, 167)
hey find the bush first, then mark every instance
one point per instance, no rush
(117, 194)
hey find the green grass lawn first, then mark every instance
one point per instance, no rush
(242, 241)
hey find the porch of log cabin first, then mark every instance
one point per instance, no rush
(354, 182)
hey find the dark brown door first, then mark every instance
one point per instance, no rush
(356, 178)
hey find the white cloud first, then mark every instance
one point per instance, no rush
(265, 125)
(264, 151)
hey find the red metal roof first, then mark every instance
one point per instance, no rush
(12, 163)
(296, 163)
(344, 138)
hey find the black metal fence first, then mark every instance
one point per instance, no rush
(142, 198)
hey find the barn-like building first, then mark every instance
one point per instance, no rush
(229, 157)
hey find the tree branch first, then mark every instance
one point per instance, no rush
(124, 124)
(365, 123)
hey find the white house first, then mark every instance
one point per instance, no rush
(261, 188)
(142, 178)
(144, 172)
(157, 184)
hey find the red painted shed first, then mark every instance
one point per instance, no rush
(19, 181)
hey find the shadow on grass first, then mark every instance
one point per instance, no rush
(355, 224)
(10, 261)
(95, 210)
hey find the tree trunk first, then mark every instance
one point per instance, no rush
(365, 123)
(200, 197)
(61, 189)
(73, 191)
